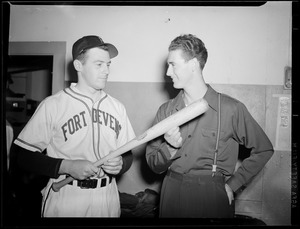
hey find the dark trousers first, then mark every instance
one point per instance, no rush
(204, 196)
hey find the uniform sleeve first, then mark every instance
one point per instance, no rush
(37, 133)
(34, 139)
(157, 153)
(248, 133)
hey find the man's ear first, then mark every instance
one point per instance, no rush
(194, 63)
(77, 65)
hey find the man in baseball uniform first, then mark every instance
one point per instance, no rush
(77, 126)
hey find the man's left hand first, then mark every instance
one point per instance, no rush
(229, 193)
(113, 166)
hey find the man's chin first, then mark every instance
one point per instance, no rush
(101, 86)
(176, 86)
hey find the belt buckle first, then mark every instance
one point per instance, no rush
(88, 183)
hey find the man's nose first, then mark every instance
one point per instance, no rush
(169, 71)
(106, 69)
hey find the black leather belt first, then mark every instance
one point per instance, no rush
(92, 183)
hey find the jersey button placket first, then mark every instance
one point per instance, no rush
(96, 129)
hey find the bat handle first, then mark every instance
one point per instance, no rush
(56, 186)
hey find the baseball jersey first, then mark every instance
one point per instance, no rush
(72, 126)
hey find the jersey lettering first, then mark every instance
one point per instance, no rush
(106, 119)
(74, 124)
(78, 121)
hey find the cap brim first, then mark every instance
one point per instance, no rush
(113, 51)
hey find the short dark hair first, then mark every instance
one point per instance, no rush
(191, 47)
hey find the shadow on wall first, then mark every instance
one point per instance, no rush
(168, 87)
(71, 72)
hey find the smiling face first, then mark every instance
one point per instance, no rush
(94, 69)
(179, 69)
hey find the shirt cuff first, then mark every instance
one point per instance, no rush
(234, 184)
(164, 149)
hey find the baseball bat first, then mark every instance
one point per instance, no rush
(177, 119)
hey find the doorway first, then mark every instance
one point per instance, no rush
(35, 70)
(28, 82)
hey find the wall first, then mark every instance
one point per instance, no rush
(246, 45)
(249, 47)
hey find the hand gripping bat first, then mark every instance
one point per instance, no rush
(177, 119)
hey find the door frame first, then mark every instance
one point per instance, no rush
(57, 49)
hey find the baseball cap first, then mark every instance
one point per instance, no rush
(92, 41)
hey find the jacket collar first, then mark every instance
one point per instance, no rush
(178, 102)
(211, 96)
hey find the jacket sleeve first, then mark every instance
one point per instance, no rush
(157, 153)
(127, 162)
(248, 133)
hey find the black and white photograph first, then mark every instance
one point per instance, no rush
(129, 113)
